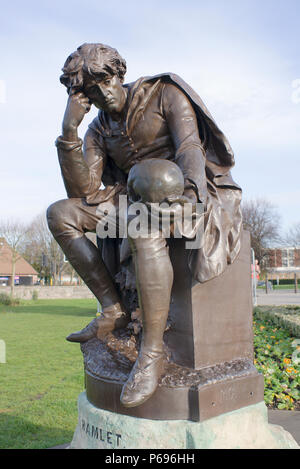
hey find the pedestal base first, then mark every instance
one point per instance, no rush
(246, 428)
(182, 393)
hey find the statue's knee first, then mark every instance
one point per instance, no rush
(149, 248)
(56, 215)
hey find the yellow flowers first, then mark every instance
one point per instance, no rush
(291, 370)
(274, 357)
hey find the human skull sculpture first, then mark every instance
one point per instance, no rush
(154, 180)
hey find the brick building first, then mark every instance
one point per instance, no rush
(25, 274)
(283, 262)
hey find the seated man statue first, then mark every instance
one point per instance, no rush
(157, 117)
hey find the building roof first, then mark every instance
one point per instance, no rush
(22, 266)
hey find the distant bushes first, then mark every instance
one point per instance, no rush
(7, 300)
(35, 295)
(286, 317)
(286, 281)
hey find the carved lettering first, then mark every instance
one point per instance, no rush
(101, 434)
(95, 432)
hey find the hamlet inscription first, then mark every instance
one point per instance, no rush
(100, 434)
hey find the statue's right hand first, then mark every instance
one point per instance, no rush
(77, 106)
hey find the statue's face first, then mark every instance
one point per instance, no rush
(107, 94)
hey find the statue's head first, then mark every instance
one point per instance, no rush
(98, 71)
(92, 60)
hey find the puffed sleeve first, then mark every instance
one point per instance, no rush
(82, 164)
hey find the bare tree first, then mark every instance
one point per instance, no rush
(15, 233)
(293, 236)
(262, 219)
(43, 251)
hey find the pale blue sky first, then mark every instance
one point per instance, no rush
(240, 56)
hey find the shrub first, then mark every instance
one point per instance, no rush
(35, 295)
(286, 281)
(8, 300)
(286, 317)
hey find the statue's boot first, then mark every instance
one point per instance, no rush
(143, 379)
(86, 259)
(68, 220)
(154, 276)
(101, 326)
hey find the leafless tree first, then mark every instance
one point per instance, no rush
(42, 250)
(15, 233)
(293, 236)
(262, 219)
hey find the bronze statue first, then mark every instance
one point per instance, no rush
(155, 118)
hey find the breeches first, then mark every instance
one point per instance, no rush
(69, 219)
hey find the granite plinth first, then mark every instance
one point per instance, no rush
(245, 428)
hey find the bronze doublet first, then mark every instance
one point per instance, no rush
(159, 123)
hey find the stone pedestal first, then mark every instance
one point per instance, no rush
(246, 428)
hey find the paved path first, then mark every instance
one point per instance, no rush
(278, 297)
(289, 420)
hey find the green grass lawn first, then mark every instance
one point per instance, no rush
(43, 373)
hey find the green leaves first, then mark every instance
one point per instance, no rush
(274, 351)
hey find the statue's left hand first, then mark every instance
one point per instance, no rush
(188, 197)
(175, 205)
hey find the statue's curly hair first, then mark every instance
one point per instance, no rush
(97, 60)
